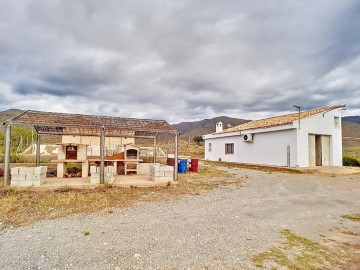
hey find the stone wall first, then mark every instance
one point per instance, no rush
(28, 176)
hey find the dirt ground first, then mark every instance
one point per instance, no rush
(219, 229)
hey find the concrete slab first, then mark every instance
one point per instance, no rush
(120, 180)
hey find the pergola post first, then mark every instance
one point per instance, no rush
(154, 159)
(102, 155)
(7, 155)
(38, 150)
(176, 156)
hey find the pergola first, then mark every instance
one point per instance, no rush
(50, 123)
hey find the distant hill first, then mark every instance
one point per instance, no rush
(206, 126)
(353, 119)
(5, 115)
(351, 125)
(350, 129)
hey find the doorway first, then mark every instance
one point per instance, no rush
(319, 150)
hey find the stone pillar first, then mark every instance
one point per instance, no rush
(85, 169)
(61, 169)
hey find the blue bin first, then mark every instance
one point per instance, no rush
(182, 166)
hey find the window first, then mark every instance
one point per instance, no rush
(336, 122)
(209, 147)
(229, 148)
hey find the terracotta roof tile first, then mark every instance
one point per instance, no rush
(279, 120)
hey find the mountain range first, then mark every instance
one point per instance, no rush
(188, 130)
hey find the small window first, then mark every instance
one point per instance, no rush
(209, 147)
(229, 148)
(336, 122)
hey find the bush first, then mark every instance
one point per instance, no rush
(351, 161)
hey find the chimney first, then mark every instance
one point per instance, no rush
(219, 127)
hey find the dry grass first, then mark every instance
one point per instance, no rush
(353, 151)
(25, 206)
(301, 253)
(353, 217)
(254, 167)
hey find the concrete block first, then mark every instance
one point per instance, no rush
(95, 181)
(145, 168)
(166, 168)
(13, 182)
(93, 169)
(40, 169)
(22, 183)
(95, 175)
(169, 174)
(167, 178)
(35, 177)
(38, 182)
(18, 177)
(14, 170)
(159, 174)
(26, 170)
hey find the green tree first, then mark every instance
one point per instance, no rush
(198, 139)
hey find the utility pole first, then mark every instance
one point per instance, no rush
(299, 108)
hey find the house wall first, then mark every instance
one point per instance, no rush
(320, 124)
(268, 148)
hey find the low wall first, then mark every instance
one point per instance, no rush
(144, 168)
(28, 176)
(161, 173)
(108, 175)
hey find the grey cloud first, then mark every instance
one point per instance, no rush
(179, 59)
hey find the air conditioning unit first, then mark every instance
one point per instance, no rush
(248, 137)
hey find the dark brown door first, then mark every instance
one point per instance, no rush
(318, 150)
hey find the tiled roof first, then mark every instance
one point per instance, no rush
(279, 120)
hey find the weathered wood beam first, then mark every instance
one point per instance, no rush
(7, 155)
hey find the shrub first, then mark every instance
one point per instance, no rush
(351, 161)
(62, 189)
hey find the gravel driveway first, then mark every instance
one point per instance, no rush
(218, 229)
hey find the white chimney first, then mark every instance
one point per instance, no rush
(219, 127)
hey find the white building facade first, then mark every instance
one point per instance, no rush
(311, 138)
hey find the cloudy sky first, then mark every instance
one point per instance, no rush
(179, 60)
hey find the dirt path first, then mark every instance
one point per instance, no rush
(219, 229)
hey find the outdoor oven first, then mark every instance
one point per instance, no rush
(131, 152)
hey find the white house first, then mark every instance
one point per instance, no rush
(308, 138)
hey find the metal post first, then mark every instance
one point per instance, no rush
(7, 155)
(154, 159)
(38, 151)
(288, 155)
(102, 155)
(176, 156)
(299, 108)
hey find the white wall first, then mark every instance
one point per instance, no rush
(268, 148)
(320, 124)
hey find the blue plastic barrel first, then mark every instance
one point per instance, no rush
(182, 166)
